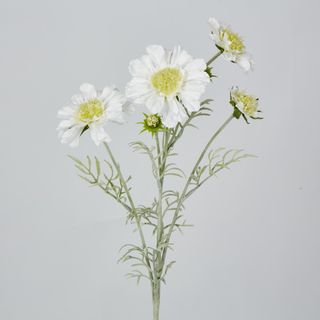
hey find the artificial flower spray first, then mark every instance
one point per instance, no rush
(169, 84)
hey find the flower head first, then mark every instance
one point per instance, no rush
(231, 44)
(152, 123)
(245, 105)
(90, 110)
(167, 82)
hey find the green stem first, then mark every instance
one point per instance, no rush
(180, 129)
(156, 284)
(156, 301)
(185, 189)
(218, 54)
(161, 159)
(133, 208)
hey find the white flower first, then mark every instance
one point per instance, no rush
(167, 82)
(90, 110)
(244, 104)
(231, 43)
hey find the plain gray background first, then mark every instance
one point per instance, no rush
(254, 252)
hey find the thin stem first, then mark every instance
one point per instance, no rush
(175, 138)
(181, 127)
(157, 261)
(108, 193)
(185, 189)
(159, 205)
(201, 183)
(158, 150)
(218, 54)
(133, 208)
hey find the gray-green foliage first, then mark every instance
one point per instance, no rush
(165, 214)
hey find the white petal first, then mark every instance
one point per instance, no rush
(191, 105)
(229, 56)
(114, 101)
(65, 124)
(214, 24)
(169, 121)
(179, 57)
(140, 82)
(115, 116)
(226, 41)
(234, 90)
(72, 135)
(138, 90)
(138, 68)
(196, 65)
(157, 55)
(147, 61)
(106, 93)
(245, 62)
(168, 118)
(114, 106)
(172, 113)
(88, 91)
(128, 108)
(216, 38)
(142, 98)
(77, 99)
(195, 70)
(75, 141)
(66, 112)
(155, 103)
(98, 134)
(193, 89)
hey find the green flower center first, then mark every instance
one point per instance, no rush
(249, 104)
(167, 80)
(90, 110)
(153, 121)
(236, 43)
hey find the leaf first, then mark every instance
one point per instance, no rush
(82, 169)
(206, 101)
(98, 168)
(76, 160)
(86, 179)
(168, 266)
(237, 113)
(89, 163)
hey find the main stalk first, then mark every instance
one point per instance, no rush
(156, 300)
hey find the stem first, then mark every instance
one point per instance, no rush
(185, 189)
(156, 301)
(180, 129)
(218, 54)
(96, 180)
(157, 271)
(156, 284)
(133, 208)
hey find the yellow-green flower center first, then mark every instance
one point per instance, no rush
(153, 120)
(250, 104)
(90, 110)
(236, 43)
(167, 80)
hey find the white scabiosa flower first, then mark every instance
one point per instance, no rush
(167, 82)
(90, 110)
(245, 105)
(231, 44)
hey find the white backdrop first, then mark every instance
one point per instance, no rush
(254, 252)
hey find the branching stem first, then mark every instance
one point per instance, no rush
(133, 208)
(185, 189)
